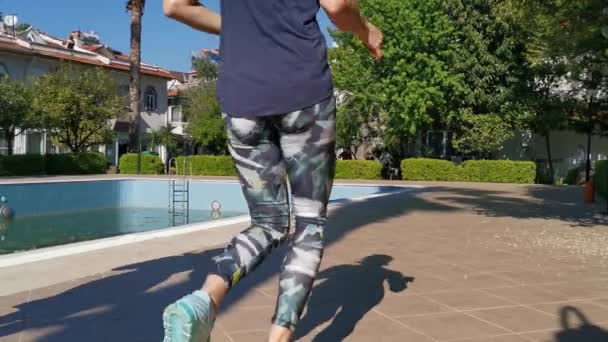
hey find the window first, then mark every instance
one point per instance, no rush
(150, 101)
(3, 147)
(173, 101)
(175, 114)
(123, 92)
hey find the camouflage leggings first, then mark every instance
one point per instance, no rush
(299, 145)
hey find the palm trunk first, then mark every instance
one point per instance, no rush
(588, 158)
(549, 156)
(8, 136)
(135, 82)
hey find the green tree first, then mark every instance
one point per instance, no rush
(206, 68)
(204, 117)
(482, 134)
(590, 117)
(356, 125)
(547, 107)
(574, 33)
(163, 136)
(75, 106)
(580, 33)
(202, 110)
(15, 109)
(441, 58)
(349, 133)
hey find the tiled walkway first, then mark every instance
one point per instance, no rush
(457, 262)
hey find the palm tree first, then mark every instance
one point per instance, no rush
(163, 136)
(136, 8)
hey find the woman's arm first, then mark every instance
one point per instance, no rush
(345, 14)
(193, 14)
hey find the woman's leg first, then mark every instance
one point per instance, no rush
(258, 159)
(261, 170)
(308, 146)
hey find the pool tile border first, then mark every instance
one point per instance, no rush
(48, 253)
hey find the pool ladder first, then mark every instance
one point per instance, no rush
(179, 191)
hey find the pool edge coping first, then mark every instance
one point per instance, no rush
(53, 252)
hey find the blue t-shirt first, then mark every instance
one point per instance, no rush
(273, 57)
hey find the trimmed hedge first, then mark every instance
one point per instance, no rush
(87, 163)
(423, 169)
(22, 165)
(53, 164)
(572, 177)
(224, 166)
(484, 171)
(210, 165)
(600, 178)
(358, 169)
(500, 171)
(150, 164)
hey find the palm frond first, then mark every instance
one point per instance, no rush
(131, 4)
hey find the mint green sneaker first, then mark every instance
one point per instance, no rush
(190, 319)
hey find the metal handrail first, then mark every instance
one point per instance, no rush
(185, 188)
(170, 162)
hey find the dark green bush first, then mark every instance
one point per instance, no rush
(423, 169)
(358, 169)
(500, 171)
(572, 177)
(22, 165)
(485, 171)
(150, 165)
(86, 163)
(208, 165)
(224, 166)
(600, 179)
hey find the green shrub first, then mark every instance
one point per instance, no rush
(500, 171)
(209, 165)
(544, 174)
(600, 178)
(423, 169)
(22, 165)
(86, 163)
(150, 164)
(358, 169)
(572, 177)
(224, 166)
(486, 171)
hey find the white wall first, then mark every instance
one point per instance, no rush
(26, 67)
(16, 65)
(568, 149)
(156, 119)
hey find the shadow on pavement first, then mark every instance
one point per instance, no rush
(346, 293)
(127, 304)
(564, 203)
(585, 331)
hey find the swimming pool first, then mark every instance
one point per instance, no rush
(56, 213)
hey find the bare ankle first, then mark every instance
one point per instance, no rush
(217, 289)
(280, 334)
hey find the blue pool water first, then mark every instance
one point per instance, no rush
(48, 214)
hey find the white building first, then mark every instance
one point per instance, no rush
(180, 83)
(568, 147)
(31, 53)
